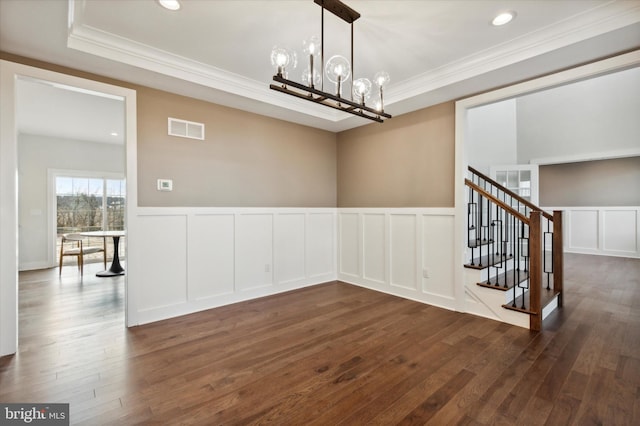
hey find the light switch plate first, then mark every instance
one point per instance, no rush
(165, 185)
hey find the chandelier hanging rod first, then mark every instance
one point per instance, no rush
(343, 12)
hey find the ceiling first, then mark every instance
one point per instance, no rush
(218, 50)
(64, 112)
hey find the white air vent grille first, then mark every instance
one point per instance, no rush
(186, 129)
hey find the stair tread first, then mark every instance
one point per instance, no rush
(500, 279)
(476, 243)
(486, 261)
(546, 296)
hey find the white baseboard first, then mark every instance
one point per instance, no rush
(31, 266)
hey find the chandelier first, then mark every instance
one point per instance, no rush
(337, 70)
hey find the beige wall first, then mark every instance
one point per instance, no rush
(591, 183)
(246, 160)
(406, 162)
(255, 161)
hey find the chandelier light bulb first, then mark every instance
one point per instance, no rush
(381, 78)
(362, 89)
(311, 46)
(338, 67)
(306, 77)
(338, 71)
(281, 58)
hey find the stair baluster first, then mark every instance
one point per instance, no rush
(506, 224)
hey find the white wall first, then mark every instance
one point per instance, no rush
(36, 155)
(404, 252)
(191, 259)
(585, 120)
(492, 135)
(589, 119)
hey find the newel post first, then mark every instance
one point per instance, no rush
(535, 270)
(558, 256)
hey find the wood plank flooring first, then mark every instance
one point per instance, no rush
(332, 354)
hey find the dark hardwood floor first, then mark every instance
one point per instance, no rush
(330, 354)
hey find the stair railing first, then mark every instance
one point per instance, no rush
(503, 227)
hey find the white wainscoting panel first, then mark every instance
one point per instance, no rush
(321, 244)
(620, 230)
(404, 250)
(289, 248)
(609, 231)
(211, 255)
(191, 259)
(438, 255)
(349, 241)
(584, 229)
(389, 250)
(165, 258)
(373, 248)
(254, 251)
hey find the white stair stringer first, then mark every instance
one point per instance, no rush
(487, 302)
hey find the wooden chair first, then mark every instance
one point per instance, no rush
(73, 245)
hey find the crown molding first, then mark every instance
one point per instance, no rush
(606, 18)
(593, 156)
(111, 46)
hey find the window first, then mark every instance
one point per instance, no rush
(88, 203)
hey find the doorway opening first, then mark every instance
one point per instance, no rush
(71, 165)
(12, 226)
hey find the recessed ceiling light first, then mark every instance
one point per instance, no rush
(170, 4)
(114, 133)
(503, 18)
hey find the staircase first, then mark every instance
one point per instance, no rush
(515, 260)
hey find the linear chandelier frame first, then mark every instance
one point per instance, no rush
(310, 93)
